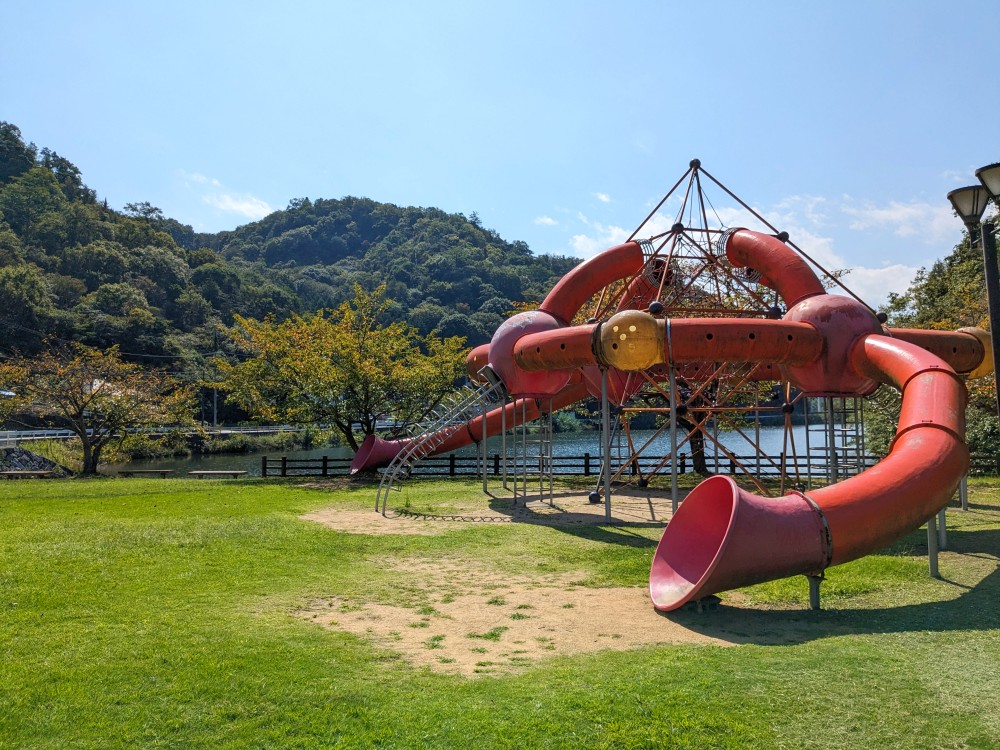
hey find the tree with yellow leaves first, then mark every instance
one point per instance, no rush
(93, 393)
(344, 368)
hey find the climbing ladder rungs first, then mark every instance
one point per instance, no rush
(458, 413)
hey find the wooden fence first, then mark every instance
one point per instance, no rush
(590, 465)
(587, 464)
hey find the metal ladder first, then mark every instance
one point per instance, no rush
(446, 420)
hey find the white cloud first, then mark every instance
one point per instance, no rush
(242, 205)
(818, 225)
(546, 221)
(803, 218)
(603, 197)
(873, 285)
(932, 223)
(959, 178)
(601, 237)
(809, 206)
(213, 193)
(199, 179)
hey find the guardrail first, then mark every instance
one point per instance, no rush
(10, 438)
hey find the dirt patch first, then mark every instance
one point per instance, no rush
(453, 615)
(370, 522)
(507, 629)
(630, 506)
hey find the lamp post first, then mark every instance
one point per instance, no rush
(970, 203)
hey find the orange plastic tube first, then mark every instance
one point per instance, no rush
(475, 360)
(728, 340)
(780, 267)
(375, 451)
(576, 287)
(962, 351)
(928, 458)
(690, 340)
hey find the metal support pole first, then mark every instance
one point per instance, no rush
(485, 448)
(932, 549)
(503, 437)
(606, 439)
(992, 296)
(942, 529)
(674, 501)
(831, 443)
(524, 447)
(814, 582)
(809, 457)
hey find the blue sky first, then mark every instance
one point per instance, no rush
(558, 123)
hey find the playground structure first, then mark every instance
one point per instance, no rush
(695, 323)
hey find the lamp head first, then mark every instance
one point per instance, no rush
(969, 203)
(989, 176)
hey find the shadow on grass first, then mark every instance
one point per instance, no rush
(972, 609)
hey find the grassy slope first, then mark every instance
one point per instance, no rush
(151, 613)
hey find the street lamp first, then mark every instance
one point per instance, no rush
(989, 176)
(969, 204)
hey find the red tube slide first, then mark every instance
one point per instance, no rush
(723, 537)
(375, 451)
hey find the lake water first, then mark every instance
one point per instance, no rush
(772, 440)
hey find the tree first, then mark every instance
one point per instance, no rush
(951, 295)
(16, 157)
(28, 197)
(26, 308)
(67, 175)
(145, 210)
(344, 368)
(95, 394)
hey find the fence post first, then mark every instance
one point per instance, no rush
(451, 464)
(684, 463)
(326, 465)
(263, 467)
(496, 464)
(284, 466)
(586, 464)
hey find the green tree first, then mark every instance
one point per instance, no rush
(95, 394)
(949, 295)
(67, 175)
(29, 197)
(343, 368)
(25, 307)
(16, 156)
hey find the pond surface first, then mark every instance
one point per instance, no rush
(772, 440)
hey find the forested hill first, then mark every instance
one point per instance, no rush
(73, 267)
(444, 271)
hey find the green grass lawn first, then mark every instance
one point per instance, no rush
(162, 613)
